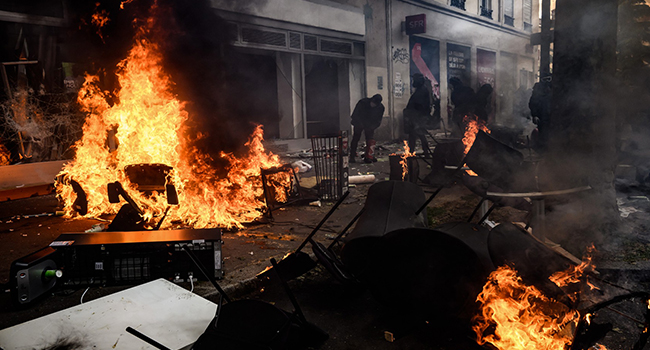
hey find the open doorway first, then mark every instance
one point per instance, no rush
(322, 95)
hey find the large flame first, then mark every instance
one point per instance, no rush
(146, 125)
(516, 316)
(472, 126)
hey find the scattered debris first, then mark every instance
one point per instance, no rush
(302, 166)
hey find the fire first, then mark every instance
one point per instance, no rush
(99, 19)
(146, 125)
(5, 155)
(472, 126)
(404, 162)
(517, 316)
(574, 274)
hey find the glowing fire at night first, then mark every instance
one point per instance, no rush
(147, 126)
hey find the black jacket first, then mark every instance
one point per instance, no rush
(420, 100)
(365, 116)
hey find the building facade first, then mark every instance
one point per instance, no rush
(329, 54)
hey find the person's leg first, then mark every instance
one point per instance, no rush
(369, 155)
(356, 136)
(411, 141)
(425, 145)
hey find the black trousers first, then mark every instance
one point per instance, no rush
(412, 139)
(369, 132)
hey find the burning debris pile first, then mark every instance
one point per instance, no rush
(144, 122)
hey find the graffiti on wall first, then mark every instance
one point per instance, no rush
(401, 55)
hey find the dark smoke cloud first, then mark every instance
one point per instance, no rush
(195, 44)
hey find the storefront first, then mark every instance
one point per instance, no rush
(309, 71)
(457, 43)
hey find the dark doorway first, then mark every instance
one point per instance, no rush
(322, 96)
(257, 91)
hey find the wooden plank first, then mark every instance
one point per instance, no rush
(29, 175)
(26, 192)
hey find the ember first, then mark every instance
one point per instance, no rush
(146, 125)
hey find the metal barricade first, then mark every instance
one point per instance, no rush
(330, 154)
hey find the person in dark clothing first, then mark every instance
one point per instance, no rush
(482, 102)
(540, 109)
(366, 117)
(417, 113)
(463, 98)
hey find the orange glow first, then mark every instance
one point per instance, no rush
(574, 274)
(99, 19)
(124, 3)
(515, 316)
(5, 155)
(404, 162)
(472, 126)
(147, 125)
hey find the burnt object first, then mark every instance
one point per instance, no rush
(509, 244)
(481, 187)
(588, 331)
(297, 263)
(330, 156)
(396, 169)
(448, 152)
(122, 258)
(130, 216)
(127, 219)
(432, 275)
(271, 187)
(80, 204)
(474, 236)
(255, 325)
(148, 177)
(390, 205)
(499, 164)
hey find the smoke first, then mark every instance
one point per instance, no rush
(195, 44)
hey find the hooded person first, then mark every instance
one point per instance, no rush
(417, 113)
(366, 117)
(464, 100)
